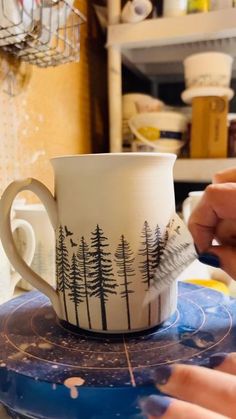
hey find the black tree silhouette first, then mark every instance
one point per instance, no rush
(175, 256)
(76, 293)
(101, 282)
(83, 263)
(124, 259)
(63, 267)
(146, 265)
(158, 249)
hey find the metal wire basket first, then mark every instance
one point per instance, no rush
(41, 32)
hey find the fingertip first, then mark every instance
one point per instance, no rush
(217, 359)
(155, 405)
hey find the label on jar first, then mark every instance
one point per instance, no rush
(195, 6)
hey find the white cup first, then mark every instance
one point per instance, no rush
(208, 69)
(190, 203)
(8, 276)
(43, 262)
(133, 103)
(188, 206)
(169, 127)
(174, 8)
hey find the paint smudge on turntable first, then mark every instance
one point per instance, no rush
(72, 383)
(45, 345)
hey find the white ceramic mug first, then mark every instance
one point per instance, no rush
(8, 277)
(188, 206)
(168, 127)
(190, 203)
(109, 212)
(43, 262)
(174, 8)
(208, 69)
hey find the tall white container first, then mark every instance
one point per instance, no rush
(174, 8)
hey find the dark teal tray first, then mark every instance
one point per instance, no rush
(37, 355)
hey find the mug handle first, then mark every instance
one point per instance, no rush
(138, 135)
(16, 260)
(30, 246)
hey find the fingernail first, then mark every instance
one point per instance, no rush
(209, 259)
(161, 375)
(217, 359)
(155, 405)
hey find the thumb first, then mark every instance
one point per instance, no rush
(227, 258)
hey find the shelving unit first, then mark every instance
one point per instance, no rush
(156, 49)
(200, 170)
(158, 46)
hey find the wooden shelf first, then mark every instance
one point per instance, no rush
(158, 46)
(200, 170)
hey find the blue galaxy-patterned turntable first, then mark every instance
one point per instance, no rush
(48, 371)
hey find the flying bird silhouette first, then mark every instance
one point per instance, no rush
(68, 233)
(73, 244)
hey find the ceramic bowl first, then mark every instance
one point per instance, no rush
(159, 131)
(208, 69)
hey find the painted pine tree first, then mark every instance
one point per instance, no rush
(146, 264)
(158, 249)
(76, 293)
(124, 260)
(175, 256)
(102, 282)
(83, 263)
(63, 267)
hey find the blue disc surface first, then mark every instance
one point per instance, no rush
(49, 371)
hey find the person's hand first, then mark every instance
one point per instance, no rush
(201, 393)
(215, 218)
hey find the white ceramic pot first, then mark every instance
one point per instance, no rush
(133, 103)
(173, 8)
(109, 213)
(8, 276)
(208, 69)
(43, 262)
(190, 203)
(168, 126)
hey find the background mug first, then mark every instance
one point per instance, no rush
(8, 277)
(109, 214)
(43, 262)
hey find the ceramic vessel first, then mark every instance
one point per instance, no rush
(208, 69)
(8, 276)
(109, 213)
(43, 262)
(158, 131)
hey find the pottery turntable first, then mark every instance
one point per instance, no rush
(48, 371)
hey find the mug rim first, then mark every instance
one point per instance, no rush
(112, 155)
